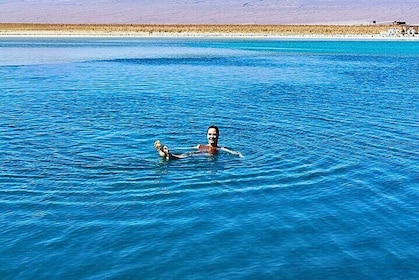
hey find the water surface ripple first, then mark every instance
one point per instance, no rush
(327, 187)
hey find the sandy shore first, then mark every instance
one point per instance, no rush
(138, 30)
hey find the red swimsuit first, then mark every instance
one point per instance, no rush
(208, 149)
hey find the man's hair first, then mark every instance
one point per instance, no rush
(215, 127)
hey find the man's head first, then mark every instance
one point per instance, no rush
(212, 135)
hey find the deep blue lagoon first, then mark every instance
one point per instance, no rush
(328, 186)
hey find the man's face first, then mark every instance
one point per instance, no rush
(212, 137)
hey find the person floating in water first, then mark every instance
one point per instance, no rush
(211, 148)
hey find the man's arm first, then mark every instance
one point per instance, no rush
(231, 151)
(165, 153)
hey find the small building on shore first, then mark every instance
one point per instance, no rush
(401, 29)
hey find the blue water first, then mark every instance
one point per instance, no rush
(328, 187)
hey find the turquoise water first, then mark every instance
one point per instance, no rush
(327, 188)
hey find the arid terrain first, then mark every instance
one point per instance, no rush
(205, 29)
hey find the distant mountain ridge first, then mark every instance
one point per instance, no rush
(210, 11)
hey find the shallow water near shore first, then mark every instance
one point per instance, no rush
(327, 188)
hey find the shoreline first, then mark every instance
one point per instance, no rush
(331, 32)
(226, 36)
